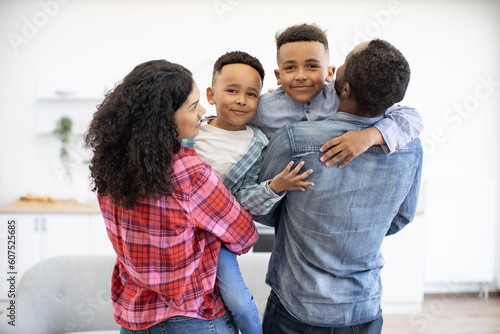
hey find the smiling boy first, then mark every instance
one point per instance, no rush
(234, 150)
(306, 93)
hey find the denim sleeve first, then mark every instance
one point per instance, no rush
(257, 198)
(278, 155)
(399, 126)
(408, 208)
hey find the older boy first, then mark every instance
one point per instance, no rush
(303, 58)
(235, 152)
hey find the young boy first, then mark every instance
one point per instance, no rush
(307, 93)
(235, 152)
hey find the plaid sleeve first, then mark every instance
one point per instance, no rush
(218, 212)
(256, 197)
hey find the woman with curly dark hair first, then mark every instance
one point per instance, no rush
(166, 211)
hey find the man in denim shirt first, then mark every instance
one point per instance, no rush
(325, 267)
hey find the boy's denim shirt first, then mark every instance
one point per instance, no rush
(400, 124)
(326, 262)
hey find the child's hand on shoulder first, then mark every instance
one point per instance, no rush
(289, 180)
(350, 145)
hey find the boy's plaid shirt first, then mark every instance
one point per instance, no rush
(242, 179)
(167, 250)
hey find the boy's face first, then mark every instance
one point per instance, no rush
(303, 69)
(235, 94)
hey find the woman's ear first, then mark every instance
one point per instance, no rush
(210, 95)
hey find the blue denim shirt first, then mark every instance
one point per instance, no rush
(326, 262)
(399, 125)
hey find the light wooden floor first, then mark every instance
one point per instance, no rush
(447, 314)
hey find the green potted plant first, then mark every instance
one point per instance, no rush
(63, 133)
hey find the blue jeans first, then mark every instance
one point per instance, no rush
(235, 293)
(183, 325)
(277, 320)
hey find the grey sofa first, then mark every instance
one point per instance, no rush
(71, 294)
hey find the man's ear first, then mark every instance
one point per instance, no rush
(331, 72)
(348, 91)
(278, 76)
(210, 95)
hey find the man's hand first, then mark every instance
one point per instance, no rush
(289, 180)
(350, 145)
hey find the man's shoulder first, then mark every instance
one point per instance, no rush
(309, 133)
(314, 127)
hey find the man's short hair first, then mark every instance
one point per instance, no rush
(301, 33)
(379, 76)
(237, 57)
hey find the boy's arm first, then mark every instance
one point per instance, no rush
(257, 198)
(399, 126)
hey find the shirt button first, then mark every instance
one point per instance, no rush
(397, 147)
(308, 103)
(308, 112)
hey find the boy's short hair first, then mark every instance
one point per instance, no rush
(237, 57)
(301, 33)
(379, 75)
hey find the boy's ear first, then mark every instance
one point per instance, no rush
(210, 95)
(331, 72)
(278, 76)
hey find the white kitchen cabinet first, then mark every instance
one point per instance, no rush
(100, 243)
(27, 244)
(43, 235)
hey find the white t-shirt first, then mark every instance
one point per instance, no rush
(221, 148)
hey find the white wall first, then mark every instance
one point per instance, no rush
(452, 47)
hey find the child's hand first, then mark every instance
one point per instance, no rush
(289, 180)
(350, 145)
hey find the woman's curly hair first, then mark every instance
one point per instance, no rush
(133, 134)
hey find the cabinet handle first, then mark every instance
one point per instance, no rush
(36, 224)
(44, 225)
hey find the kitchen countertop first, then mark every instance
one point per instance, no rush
(57, 207)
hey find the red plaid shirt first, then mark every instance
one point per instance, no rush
(167, 250)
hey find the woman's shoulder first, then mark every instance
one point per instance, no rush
(188, 168)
